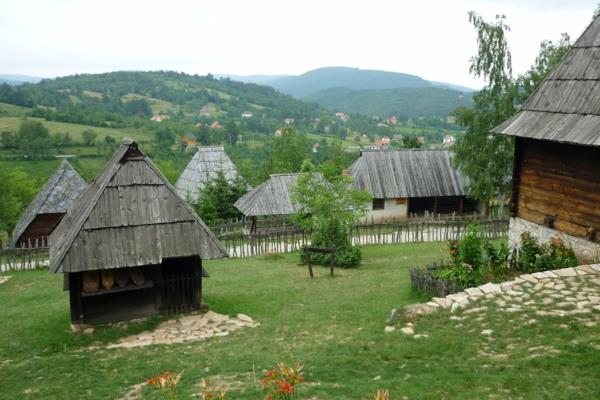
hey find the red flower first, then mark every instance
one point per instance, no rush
(285, 387)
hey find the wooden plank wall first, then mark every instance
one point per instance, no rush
(560, 181)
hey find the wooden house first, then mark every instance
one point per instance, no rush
(202, 168)
(271, 198)
(556, 175)
(130, 246)
(48, 207)
(410, 182)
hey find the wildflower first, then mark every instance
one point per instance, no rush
(285, 387)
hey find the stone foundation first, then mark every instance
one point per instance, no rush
(585, 250)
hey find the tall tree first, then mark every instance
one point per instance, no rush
(487, 159)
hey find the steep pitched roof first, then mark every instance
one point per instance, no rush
(389, 174)
(566, 106)
(129, 216)
(272, 197)
(203, 168)
(57, 195)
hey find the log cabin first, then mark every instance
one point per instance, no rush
(48, 207)
(410, 182)
(130, 246)
(556, 171)
(202, 168)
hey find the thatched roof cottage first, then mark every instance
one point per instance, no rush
(556, 175)
(131, 246)
(48, 207)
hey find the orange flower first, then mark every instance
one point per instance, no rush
(285, 387)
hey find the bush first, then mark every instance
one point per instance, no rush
(533, 256)
(330, 233)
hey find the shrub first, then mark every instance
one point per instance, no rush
(533, 256)
(471, 251)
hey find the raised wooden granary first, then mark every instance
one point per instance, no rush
(130, 246)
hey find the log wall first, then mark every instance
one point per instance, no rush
(558, 185)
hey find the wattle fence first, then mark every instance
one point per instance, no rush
(239, 242)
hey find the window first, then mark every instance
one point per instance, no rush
(378, 204)
(400, 202)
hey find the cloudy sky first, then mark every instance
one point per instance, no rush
(430, 38)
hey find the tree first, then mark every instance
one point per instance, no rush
(287, 153)
(33, 138)
(16, 191)
(487, 159)
(139, 107)
(89, 137)
(232, 131)
(215, 204)
(411, 142)
(328, 210)
(8, 139)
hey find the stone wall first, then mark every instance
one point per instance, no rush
(585, 250)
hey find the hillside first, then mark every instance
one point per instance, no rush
(15, 79)
(120, 99)
(351, 78)
(403, 102)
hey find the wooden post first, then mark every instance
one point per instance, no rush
(75, 297)
(332, 262)
(435, 206)
(461, 205)
(307, 255)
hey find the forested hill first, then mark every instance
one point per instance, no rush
(351, 78)
(121, 98)
(402, 102)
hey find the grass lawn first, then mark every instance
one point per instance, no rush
(335, 326)
(75, 130)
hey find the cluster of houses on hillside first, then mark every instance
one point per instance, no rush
(129, 245)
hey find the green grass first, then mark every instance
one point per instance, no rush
(11, 110)
(75, 130)
(335, 326)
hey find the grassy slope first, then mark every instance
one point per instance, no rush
(335, 326)
(12, 123)
(10, 110)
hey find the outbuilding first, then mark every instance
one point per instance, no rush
(48, 207)
(130, 246)
(556, 173)
(410, 182)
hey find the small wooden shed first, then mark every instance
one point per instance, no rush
(556, 175)
(131, 246)
(410, 182)
(48, 207)
(202, 168)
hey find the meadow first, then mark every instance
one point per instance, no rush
(334, 326)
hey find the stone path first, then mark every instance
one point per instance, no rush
(185, 329)
(4, 279)
(562, 292)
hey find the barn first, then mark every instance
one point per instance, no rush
(556, 172)
(410, 182)
(130, 246)
(48, 207)
(202, 168)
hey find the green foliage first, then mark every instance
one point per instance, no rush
(533, 256)
(328, 210)
(16, 191)
(471, 251)
(487, 159)
(411, 142)
(215, 204)
(33, 138)
(287, 153)
(89, 137)
(402, 102)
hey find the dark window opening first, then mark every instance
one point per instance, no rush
(378, 204)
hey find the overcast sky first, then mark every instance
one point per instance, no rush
(432, 39)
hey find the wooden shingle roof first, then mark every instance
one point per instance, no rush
(387, 174)
(57, 195)
(202, 168)
(273, 197)
(566, 106)
(129, 216)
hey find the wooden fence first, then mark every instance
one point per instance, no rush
(18, 259)
(291, 239)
